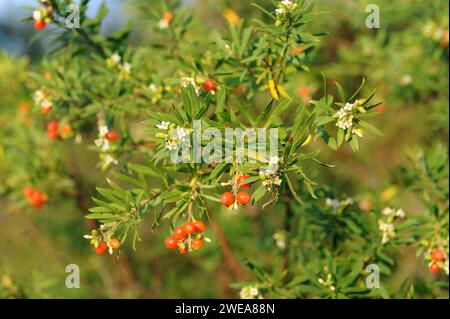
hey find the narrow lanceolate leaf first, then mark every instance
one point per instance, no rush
(370, 127)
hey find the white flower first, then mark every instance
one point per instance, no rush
(388, 231)
(400, 213)
(348, 107)
(98, 142)
(249, 292)
(39, 96)
(103, 130)
(106, 146)
(110, 160)
(387, 211)
(37, 15)
(115, 58)
(126, 67)
(274, 160)
(287, 3)
(163, 24)
(186, 81)
(163, 126)
(46, 104)
(152, 88)
(406, 80)
(279, 11)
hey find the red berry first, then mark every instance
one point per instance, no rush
(28, 191)
(434, 267)
(171, 243)
(243, 198)
(209, 85)
(241, 179)
(179, 233)
(46, 110)
(168, 16)
(199, 226)
(182, 250)
(39, 24)
(101, 248)
(227, 199)
(52, 129)
(438, 255)
(189, 228)
(112, 136)
(37, 199)
(114, 243)
(197, 244)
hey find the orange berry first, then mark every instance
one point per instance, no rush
(182, 250)
(297, 50)
(39, 25)
(197, 244)
(199, 226)
(179, 233)
(438, 255)
(45, 110)
(240, 180)
(24, 108)
(227, 199)
(168, 16)
(112, 136)
(243, 198)
(189, 228)
(209, 85)
(66, 129)
(52, 129)
(171, 243)
(114, 243)
(434, 267)
(101, 248)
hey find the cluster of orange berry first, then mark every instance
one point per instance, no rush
(102, 246)
(54, 130)
(437, 258)
(35, 197)
(186, 238)
(241, 197)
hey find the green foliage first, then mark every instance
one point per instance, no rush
(299, 238)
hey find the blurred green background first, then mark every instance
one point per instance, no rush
(406, 60)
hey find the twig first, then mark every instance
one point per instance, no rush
(227, 252)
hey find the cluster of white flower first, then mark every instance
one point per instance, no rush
(43, 100)
(438, 33)
(345, 115)
(44, 13)
(103, 144)
(336, 204)
(386, 225)
(280, 239)
(328, 282)
(269, 175)
(175, 136)
(158, 91)
(284, 8)
(250, 292)
(124, 68)
(187, 81)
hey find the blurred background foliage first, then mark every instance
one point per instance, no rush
(406, 60)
